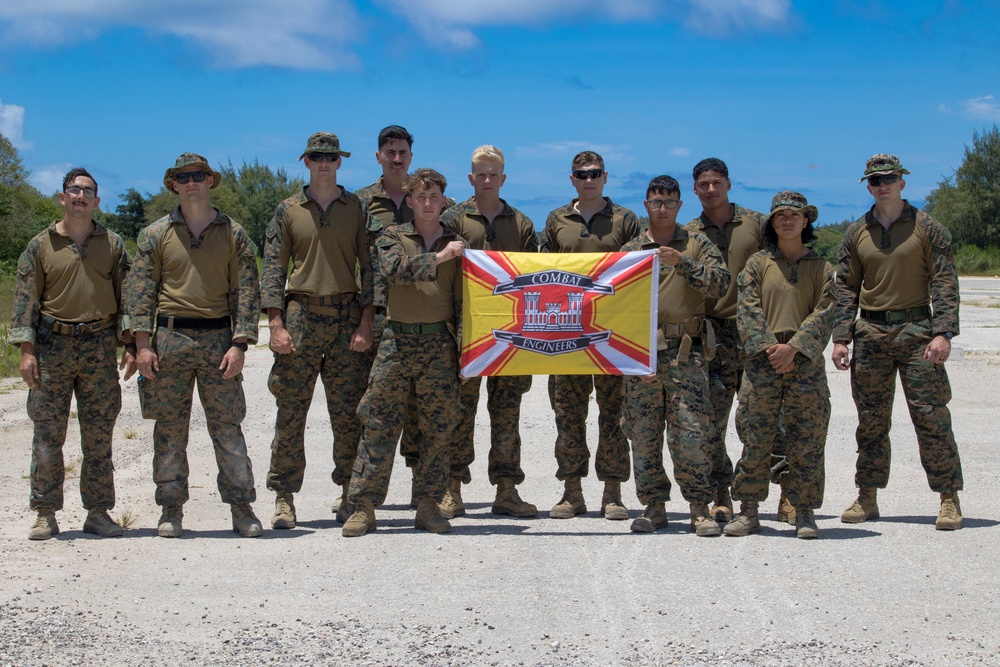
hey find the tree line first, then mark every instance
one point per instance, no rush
(967, 202)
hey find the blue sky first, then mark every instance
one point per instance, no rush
(790, 94)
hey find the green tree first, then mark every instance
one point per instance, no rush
(968, 203)
(130, 215)
(258, 190)
(23, 210)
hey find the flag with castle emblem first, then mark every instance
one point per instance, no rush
(567, 314)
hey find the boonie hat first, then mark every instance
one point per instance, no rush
(324, 142)
(882, 163)
(190, 160)
(793, 201)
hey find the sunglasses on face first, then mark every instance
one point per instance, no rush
(184, 177)
(657, 204)
(886, 179)
(584, 174)
(74, 190)
(323, 157)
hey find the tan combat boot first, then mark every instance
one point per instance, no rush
(339, 501)
(284, 512)
(362, 521)
(862, 509)
(451, 504)
(805, 524)
(346, 508)
(414, 492)
(169, 524)
(653, 518)
(703, 524)
(722, 508)
(99, 523)
(745, 522)
(950, 516)
(786, 512)
(45, 525)
(611, 502)
(572, 502)
(509, 502)
(245, 522)
(430, 518)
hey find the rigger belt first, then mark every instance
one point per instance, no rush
(79, 328)
(896, 316)
(195, 323)
(681, 336)
(338, 305)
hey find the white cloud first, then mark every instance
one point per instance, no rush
(304, 34)
(983, 108)
(718, 18)
(48, 179)
(565, 150)
(12, 124)
(451, 22)
(680, 152)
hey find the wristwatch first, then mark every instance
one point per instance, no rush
(949, 335)
(241, 346)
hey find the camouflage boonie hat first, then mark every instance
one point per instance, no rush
(324, 142)
(882, 163)
(792, 201)
(190, 160)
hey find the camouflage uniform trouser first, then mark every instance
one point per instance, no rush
(879, 352)
(84, 365)
(724, 375)
(569, 396)
(186, 355)
(322, 347)
(803, 396)
(678, 398)
(504, 405)
(422, 366)
(409, 444)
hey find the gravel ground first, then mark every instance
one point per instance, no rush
(505, 591)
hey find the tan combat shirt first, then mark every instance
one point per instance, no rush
(607, 231)
(324, 247)
(420, 291)
(510, 231)
(739, 238)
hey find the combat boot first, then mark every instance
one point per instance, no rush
(430, 518)
(862, 509)
(245, 522)
(653, 518)
(611, 502)
(170, 522)
(950, 516)
(99, 523)
(414, 493)
(362, 521)
(339, 501)
(572, 502)
(746, 521)
(703, 524)
(451, 504)
(284, 512)
(722, 508)
(805, 524)
(346, 508)
(45, 525)
(509, 502)
(786, 512)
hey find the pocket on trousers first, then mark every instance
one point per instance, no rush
(149, 402)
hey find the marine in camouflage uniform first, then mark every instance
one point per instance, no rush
(896, 265)
(387, 206)
(677, 395)
(736, 231)
(417, 360)
(590, 223)
(315, 318)
(194, 283)
(785, 314)
(487, 222)
(68, 316)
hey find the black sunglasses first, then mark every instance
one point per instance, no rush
(323, 157)
(584, 174)
(887, 179)
(184, 177)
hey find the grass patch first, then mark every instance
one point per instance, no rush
(126, 517)
(10, 356)
(130, 434)
(974, 261)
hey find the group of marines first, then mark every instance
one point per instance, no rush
(364, 291)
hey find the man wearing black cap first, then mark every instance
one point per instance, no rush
(896, 265)
(320, 318)
(194, 283)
